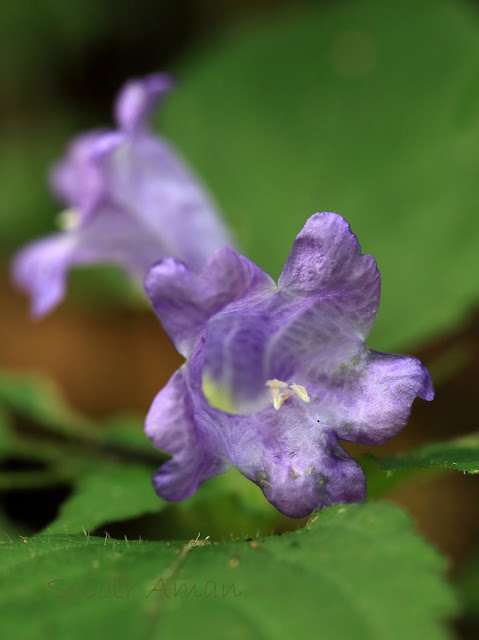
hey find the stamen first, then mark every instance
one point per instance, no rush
(301, 392)
(277, 400)
(276, 384)
(69, 219)
(279, 396)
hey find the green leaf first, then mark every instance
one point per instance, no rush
(461, 454)
(36, 397)
(110, 464)
(28, 150)
(333, 108)
(356, 571)
(107, 494)
(9, 530)
(468, 583)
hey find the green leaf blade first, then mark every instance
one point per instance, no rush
(107, 494)
(461, 454)
(354, 569)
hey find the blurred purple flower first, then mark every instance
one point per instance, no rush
(276, 374)
(130, 201)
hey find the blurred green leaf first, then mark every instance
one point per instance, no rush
(36, 397)
(367, 108)
(107, 493)
(379, 482)
(110, 464)
(9, 530)
(355, 571)
(468, 583)
(125, 433)
(461, 454)
(27, 152)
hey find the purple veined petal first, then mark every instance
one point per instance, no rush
(277, 375)
(326, 262)
(170, 425)
(331, 477)
(104, 145)
(314, 340)
(41, 268)
(76, 179)
(297, 462)
(364, 395)
(135, 182)
(138, 98)
(141, 173)
(371, 402)
(234, 371)
(275, 337)
(184, 300)
(294, 458)
(147, 178)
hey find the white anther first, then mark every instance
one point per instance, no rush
(278, 397)
(69, 219)
(301, 392)
(280, 393)
(276, 384)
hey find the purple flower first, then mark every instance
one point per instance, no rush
(276, 374)
(130, 201)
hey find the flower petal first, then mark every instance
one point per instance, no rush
(171, 427)
(296, 461)
(277, 375)
(365, 396)
(275, 337)
(184, 300)
(326, 262)
(371, 402)
(133, 182)
(328, 476)
(77, 179)
(148, 179)
(41, 267)
(138, 98)
(314, 340)
(235, 368)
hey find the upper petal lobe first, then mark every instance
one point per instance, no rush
(326, 262)
(184, 300)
